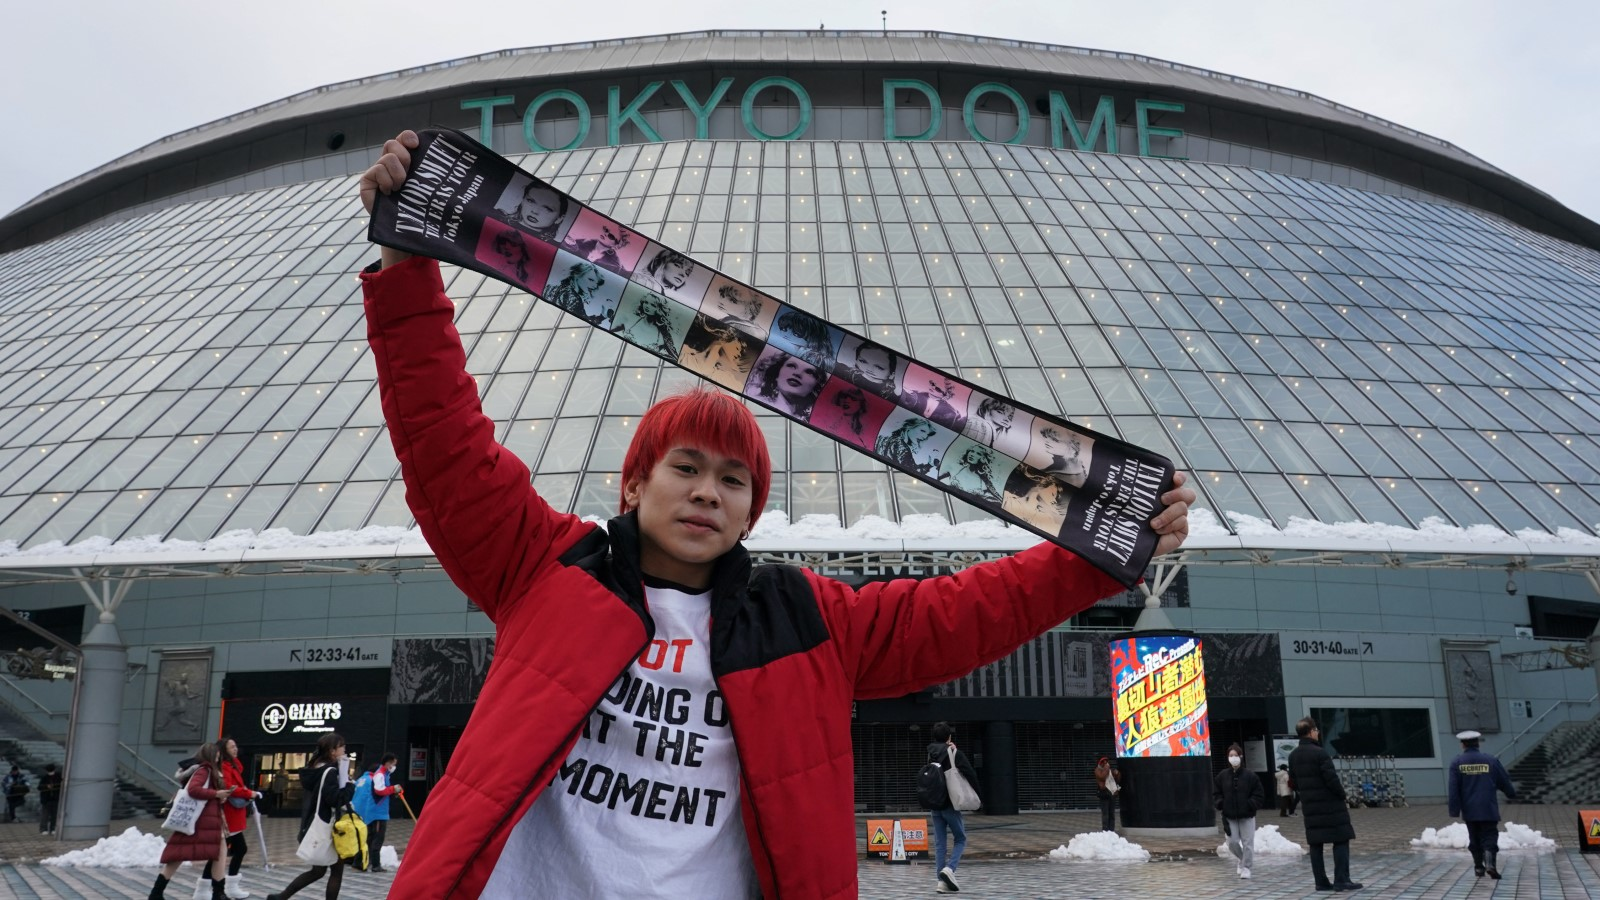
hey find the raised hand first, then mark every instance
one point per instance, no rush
(1173, 521)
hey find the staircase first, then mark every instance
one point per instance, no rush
(1561, 768)
(24, 745)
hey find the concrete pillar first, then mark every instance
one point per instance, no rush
(91, 779)
(1000, 769)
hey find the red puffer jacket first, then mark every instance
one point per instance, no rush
(789, 649)
(236, 817)
(206, 842)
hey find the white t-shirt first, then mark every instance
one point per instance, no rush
(647, 803)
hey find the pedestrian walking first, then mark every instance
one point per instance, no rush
(49, 798)
(15, 787)
(949, 828)
(1475, 776)
(371, 802)
(1238, 795)
(202, 780)
(634, 647)
(1107, 784)
(235, 815)
(1326, 812)
(323, 782)
(1285, 791)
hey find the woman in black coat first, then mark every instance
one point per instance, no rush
(325, 780)
(1326, 813)
(1237, 794)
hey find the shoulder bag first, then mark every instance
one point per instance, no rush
(316, 847)
(185, 812)
(962, 796)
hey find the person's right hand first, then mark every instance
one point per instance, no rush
(389, 172)
(387, 175)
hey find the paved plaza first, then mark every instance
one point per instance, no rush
(1006, 860)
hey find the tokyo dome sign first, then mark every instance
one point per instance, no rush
(1065, 126)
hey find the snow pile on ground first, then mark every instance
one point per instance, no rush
(1454, 837)
(1450, 837)
(1269, 842)
(1521, 837)
(1100, 845)
(130, 849)
(388, 858)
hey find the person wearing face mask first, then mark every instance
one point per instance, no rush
(382, 787)
(1238, 794)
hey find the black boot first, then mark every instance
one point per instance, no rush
(1477, 862)
(1489, 863)
(159, 892)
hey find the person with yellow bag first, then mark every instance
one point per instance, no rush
(326, 784)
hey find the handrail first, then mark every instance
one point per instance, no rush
(1555, 706)
(11, 683)
(146, 763)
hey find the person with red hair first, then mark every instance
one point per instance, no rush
(681, 715)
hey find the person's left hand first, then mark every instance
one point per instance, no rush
(1173, 522)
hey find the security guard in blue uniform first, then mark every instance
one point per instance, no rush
(1474, 778)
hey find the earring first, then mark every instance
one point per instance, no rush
(745, 535)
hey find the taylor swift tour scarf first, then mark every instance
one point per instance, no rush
(1090, 493)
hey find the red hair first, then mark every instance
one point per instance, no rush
(703, 418)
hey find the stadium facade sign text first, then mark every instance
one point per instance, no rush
(1064, 125)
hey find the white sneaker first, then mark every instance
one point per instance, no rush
(1244, 872)
(941, 889)
(947, 877)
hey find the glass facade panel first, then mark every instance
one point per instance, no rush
(1308, 349)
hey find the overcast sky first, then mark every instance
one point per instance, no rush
(85, 82)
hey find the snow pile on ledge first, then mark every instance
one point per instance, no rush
(229, 541)
(128, 850)
(1454, 837)
(1100, 845)
(1269, 842)
(775, 526)
(775, 530)
(1433, 530)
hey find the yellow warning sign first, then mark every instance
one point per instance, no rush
(910, 834)
(1589, 830)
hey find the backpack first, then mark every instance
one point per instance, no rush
(931, 790)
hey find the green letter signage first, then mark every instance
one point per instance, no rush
(995, 87)
(1105, 119)
(486, 122)
(1141, 119)
(935, 108)
(615, 117)
(702, 111)
(747, 107)
(541, 100)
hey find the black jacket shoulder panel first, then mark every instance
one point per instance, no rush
(610, 556)
(773, 616)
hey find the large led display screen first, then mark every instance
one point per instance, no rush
(1158, 691)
